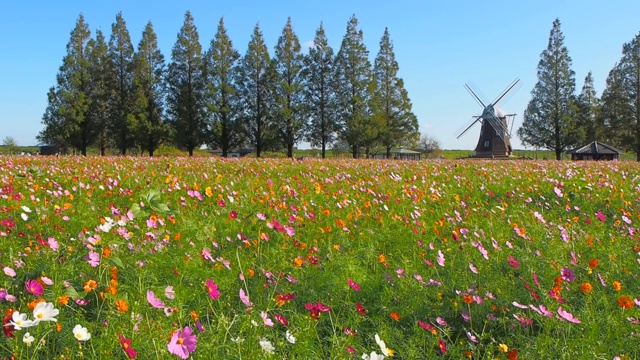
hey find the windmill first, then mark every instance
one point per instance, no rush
(495, 135)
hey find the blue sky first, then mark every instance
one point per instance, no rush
(439, 45)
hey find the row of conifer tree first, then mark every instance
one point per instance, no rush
(110, 95)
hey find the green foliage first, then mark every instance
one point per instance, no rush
(186, 82)
(122, 125)
(149, 91)
(549, 120)
(391, 104)
(288, 92)
(353, 86)
(223, 103)
(629, 71)
(319, 93)
(255, 76)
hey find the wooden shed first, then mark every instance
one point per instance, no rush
(595, 151)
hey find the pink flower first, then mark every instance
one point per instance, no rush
(245, 299)
(34, 287)
(154, 301)
(93, 258)
(601, 216)
(565, 315)
(440, 258)
(212, 289)
(354, 285)
(183, 342)
(265, 319)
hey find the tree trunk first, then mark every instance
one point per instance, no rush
(354, 151)
(388, 152)
(289, 150)
(558, 154)
(323, 150)
(190, 151)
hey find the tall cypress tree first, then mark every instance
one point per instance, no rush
(615, 110)
(392, 104)
(101, 90)
(549, 120)
(66, 119)
(588, 106)
(149, 91)
(319, 93)
(222, 93)
(630, 72)
(255, 80)
(289, 96)
(186, 88)
(353, 77)
(121, 52)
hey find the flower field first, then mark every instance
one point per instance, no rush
(318, 259)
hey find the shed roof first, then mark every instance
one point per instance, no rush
(595, 147)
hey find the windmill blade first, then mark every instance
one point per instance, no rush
(473, 94)
(469, 127)
(511, 86)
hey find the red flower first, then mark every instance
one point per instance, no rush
(361, 309)
(126, 346)
(442, 346)
(6, 328)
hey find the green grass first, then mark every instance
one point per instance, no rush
(455, 246)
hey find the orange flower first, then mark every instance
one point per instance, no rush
(617, 285)
(63, 300)
(106, 252)
(395, 316)
(382, 258)
(251, 272)
(58, 327)
(297, 261)
(512, 354)
(32, 305)
(586, 287)
(625, 302)
(468, 354)
(340, 223)
(194, 315)
(90, 285)
(177, 236)
(593, 263)
(122, 305)
(468, 299)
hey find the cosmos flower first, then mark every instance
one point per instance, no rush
(81, 333)
(183, 342)
(44, 311)
(34, 287)
(212, 289)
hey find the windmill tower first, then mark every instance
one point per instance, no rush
(494, 140)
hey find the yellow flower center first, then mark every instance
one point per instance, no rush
(180, 341)
(40, 316)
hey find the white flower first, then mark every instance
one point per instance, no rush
(290, 338)
(81, 333)
(372, 356)
(20, 321)
(26, 209)
(24, 216)
(27, 338)
(267, 346)
(44, 312)
(383, 346)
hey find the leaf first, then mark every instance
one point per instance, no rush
(72, 293)
(117, 262)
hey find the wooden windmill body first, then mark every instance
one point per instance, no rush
(494, 140)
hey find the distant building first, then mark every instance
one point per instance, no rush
(399, 154)
(595, 151)
(234, 153)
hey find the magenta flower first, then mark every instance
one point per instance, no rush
(567, 274)
(212, 289)
(183, 342)
(354, 285)
(34, 287)
(513, 262)
(281, 319)
(602, 217)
